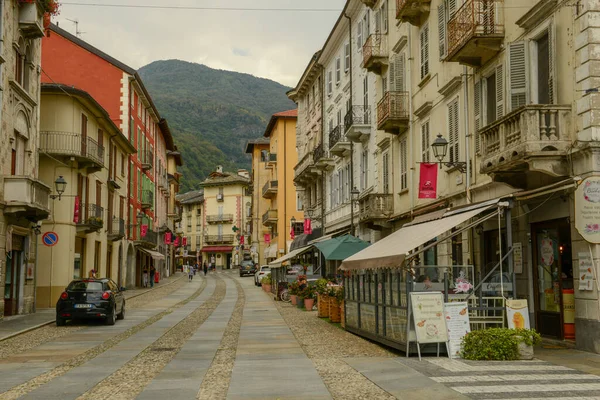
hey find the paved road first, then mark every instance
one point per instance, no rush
(220, 337)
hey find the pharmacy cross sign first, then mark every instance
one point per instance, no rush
(50, 239)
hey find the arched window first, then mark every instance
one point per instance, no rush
(27, 67)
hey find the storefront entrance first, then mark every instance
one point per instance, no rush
(553, 278)
(12, 281)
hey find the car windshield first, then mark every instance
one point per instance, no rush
(88, 286)
(265, 269)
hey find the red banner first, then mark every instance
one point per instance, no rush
(242, 239)
(428, 181)
(307, 226)
(267, 238)
(176, 241)
(144, 230)
(76, 210)
(292, 234)
(168, 238)
(184, 241)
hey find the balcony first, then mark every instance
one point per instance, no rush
(26, 197)
(175, 213)
(369, 3)
(530, 140)
(150, 240)
(85, 150)
(218, 239)
(339, 145)
(392, 112)
(163, 183)
(270, 217)
(90, 219)
(219, 218)
(147, 200)
(411, 10)
(147, 159)
(357, 123)
(476, 32)
(322, 159)
(375, 209)
(116, 229)
(306, 170)
(269, 190)
(375, 53)
(31, 20)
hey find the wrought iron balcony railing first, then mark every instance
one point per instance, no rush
(219, 218)
(375, 52)
(357, 123)
(392, 112)
(270, 189)
(218, 239)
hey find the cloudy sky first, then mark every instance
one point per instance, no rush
(275, 43)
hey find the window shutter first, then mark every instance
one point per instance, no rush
(517, 60)
(359, 39)
(425, 142)
(399, 70)
(384, 15)
(424, 51)
(551, 65)
(499, 91)
(477, 112)
(453, 127)
(442, 29)
(451, 8)
(392, 73)
(378, 21)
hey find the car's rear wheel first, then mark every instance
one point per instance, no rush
(112, 318)
(121, 315)
(60, 321)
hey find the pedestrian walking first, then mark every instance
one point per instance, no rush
(145, 277)
(152, 273)
(191, 273)
(205, 268)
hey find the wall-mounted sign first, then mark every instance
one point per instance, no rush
(587, 209)
(586, 276)
(518, 257)
(50, 239)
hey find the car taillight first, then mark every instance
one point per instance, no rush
(64, 295)
(105, 296)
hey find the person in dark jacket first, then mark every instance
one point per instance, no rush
(205, 268)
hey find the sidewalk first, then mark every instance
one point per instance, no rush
(13, 326)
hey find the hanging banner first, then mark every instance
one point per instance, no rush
(517, 314)
(307, 226)
(76, 210)
(176, 241)
(168, 238)
(267, 238)
(292, 235)
(428, 181)
(144, 230)
(184, 241)
(587, 209)
(242, 239)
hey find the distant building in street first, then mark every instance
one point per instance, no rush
(192, 205)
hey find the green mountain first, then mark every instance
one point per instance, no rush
(212, 113)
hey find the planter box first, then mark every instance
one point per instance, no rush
(342, 315)
(334, 310)
(323, 306)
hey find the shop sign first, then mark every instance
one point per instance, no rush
(518, 258)
(457, 324)
(517, 314)
(586, 276)
(587, 209)
(428, 314)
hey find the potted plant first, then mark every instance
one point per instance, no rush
(266, 283)
(293, 289)
(309, 298)
(500, 344)
(336, 295)
(322, 298)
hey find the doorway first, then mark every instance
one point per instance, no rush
(553, 274)
(79, 259)
(109, 261)
(12, 282)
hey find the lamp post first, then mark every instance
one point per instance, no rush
(440, 149)
(60, 185)
(353, 197)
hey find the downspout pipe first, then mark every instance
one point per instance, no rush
(352, 229)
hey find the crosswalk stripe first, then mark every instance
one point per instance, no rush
(502, 378)
(457, 366)
(528, 388)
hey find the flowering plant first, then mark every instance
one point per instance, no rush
(462, 285)
(49, 6)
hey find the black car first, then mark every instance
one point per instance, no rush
(91, 298)
(247, 267)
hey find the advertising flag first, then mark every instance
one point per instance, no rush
(144, 230)
(267, 238)
(76, 210)
(292, 235)
(242, 239)
(428, 181)
(168, 238)
(176, 241)
(184, 241)
(307, 226)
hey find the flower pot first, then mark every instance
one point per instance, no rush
(294, 299)
(334, 310)
(342, 315)
(300, 302)
(262, 285)
(309, 304)
(323, 306)
(267, 288)
(525, 351)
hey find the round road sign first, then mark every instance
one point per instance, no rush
(50, 239)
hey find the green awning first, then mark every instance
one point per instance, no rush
(341, 247)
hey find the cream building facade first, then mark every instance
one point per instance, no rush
(192, 204)
(24, 198)
(80, 144)
(260, 175)
(517, 122)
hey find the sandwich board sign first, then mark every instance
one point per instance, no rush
(429, 323)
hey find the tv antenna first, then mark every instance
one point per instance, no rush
(76, 22)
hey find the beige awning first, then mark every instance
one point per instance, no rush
(392, 250)
(271, 251)
(277, 263)
(154, 254)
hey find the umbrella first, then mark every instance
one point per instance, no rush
(341, 247)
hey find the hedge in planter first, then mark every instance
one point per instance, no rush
(497, 343)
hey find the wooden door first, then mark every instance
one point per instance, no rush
(84, 122)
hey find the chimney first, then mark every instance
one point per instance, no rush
(244, 173)
(220, 169)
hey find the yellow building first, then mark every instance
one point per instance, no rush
(259, 150)
(80, 144)
(285, 203)
(227, 203)
(192, 217)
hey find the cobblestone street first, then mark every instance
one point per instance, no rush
(222, 338)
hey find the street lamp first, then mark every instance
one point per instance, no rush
(353, 197)
(60, 184)
(440, 149)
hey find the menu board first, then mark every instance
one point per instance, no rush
(517, 314)
(456, 315)
(428, 315)
(585, 272)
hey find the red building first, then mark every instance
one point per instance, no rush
(118, 88)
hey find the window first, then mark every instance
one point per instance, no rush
(403, 164)
(19, 66)
(384, 16)
(197, 241)
(123, 162)
(396, 73)
(359, 36)
(457, 249)
(131, 180)
(347, 57)
(424, 43)
(329, 82)
(364, 169)
(494, 98)
(18, 155)
(339, 117)
(430, 258)
(425, 141)
(386, 172)
(299, 204)
(347, 184)
(264, 156)
(198, 223)
(366, 91)
(453, 142)
(338, 71)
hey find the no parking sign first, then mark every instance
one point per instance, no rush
(50, 239)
